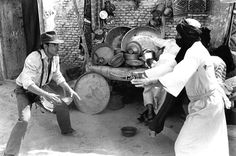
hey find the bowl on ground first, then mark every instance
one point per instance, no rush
(128, 131)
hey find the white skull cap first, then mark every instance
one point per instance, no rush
(193, 22)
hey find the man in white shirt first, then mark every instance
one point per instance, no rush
(40, 68)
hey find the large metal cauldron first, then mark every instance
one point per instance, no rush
(146, 36)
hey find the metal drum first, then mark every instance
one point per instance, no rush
(94, 92)
(146, 36)
(115, 35)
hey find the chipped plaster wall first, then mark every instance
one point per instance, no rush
(218, 20)
(12, 46)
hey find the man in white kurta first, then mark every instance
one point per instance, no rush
(204, 132)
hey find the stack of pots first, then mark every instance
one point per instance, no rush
(132, 54)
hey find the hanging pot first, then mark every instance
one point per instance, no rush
(168, 12)
(158, 11)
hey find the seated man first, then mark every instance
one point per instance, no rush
(153, 97)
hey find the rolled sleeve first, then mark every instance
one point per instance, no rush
(30, 71)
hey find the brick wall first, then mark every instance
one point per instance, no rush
(69, 28)
(127, 15)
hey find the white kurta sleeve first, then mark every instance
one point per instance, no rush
(175, 81)
(164, 65)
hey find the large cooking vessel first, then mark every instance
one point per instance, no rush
(146, 36)
(102, 53)
(115, 35)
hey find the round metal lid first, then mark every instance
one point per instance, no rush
(94, 92)
(146, 36)
(115, 35)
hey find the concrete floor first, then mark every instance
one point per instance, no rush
(98, 134)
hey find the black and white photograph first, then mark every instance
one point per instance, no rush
(117, 77)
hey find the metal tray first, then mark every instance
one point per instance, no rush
(115, 35)
(146, 36)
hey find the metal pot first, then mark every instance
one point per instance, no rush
(148, 54)
(133, 47)
(128, 56)
(146, 36)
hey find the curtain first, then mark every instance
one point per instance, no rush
(31, 24)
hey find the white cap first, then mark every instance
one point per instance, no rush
(193, 22)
